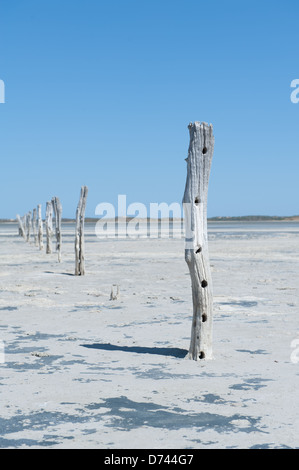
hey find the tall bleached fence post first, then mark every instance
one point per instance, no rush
(24, 222)
(53, 214)
(21, 227)
(199, 161)
(34, 213)
(28, 225)
(57, 207)
(40, 227)
(79, 237)
(49, 226)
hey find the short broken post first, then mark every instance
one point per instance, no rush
(49, 227)
(40, 227)
(79, 236)
(57, 217)
(114, 293)
(199, 161)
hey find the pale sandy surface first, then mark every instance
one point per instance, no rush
(82, 371)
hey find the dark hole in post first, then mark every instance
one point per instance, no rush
(198, 249)
(196, 200)
(204, 317)
(202, 355)
(204, 283)
(204, 150)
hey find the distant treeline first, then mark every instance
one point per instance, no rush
(252, 218)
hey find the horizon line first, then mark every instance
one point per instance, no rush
(214, 218)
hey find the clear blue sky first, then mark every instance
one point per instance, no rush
(100, 93)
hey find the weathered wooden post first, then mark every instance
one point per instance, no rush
(28, 226)
(58, 227)
(57, 208)
(24, 222)
(34, 214)
(79, 236)
(114, 293)
(21, 227)
(40, 227)
(54, 223)
(199, 161)
(49, 227)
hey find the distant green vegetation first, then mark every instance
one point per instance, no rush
(252, 218)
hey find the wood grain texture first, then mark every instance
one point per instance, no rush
(34, 226)
(49, 227)
(21, 227)
(28, 226)
(40, 227)
(79, 234)
(199, 161)
(57, 209)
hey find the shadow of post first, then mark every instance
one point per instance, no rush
(173, 352)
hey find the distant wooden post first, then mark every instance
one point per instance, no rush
(34, 221)
(114, 293)
(24, 222)
(40, 227)
(199, 161)
(54, 215)
(21, 227)
(28, 226)
(79, 236)
(57, 208)
(49, 226)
